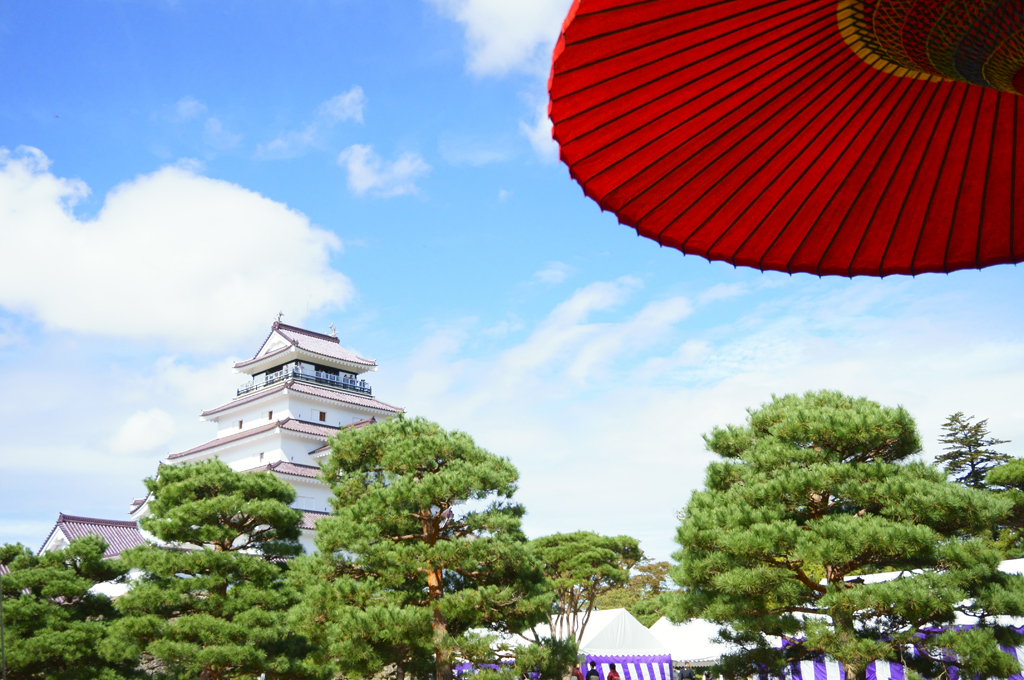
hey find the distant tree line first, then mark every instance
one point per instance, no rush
(423, 562)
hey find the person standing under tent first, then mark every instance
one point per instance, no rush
(592, 674)
(577, 674)
(686, 673)
(612, 673)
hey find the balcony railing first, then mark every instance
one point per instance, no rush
(344, 382)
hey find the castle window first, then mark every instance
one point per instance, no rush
(239, 424)
(261, 456)
(323, 416)
(269, 415)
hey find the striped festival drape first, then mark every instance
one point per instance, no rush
(634, 667)
(878, 670)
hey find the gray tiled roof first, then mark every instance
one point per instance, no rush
(309, 518)
(312, 390)
(119, 534)
(288, 468)
(355, 399)
(358, 425)
(315, 343)
(306, 427)
(220, 441)
(290, 424)
(256, 396)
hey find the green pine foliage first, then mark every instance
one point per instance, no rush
(969, 452)
(642, 594)
(424, 547)
(53, 625)
(1008, 480)
(807, 500)
(581, 567)
(212, 602)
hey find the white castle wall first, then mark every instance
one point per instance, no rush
(284, 405)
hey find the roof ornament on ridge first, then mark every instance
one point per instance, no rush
(315, 345)
(279, 315)
(334, 331)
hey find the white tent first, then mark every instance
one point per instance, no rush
(614, 632)
(691, 642)
(613, 636)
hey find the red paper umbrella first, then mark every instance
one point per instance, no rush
(854, 137)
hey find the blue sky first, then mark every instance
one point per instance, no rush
(174, 173)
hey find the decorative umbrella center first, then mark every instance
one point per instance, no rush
(973, 41)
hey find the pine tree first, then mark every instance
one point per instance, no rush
(642, 594)
(1008, 480)
(810, 498)
(425, 544)
(581, 567)
(969, 453)
(212, 602)
(53, 624)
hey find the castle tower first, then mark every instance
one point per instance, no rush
(305, 386)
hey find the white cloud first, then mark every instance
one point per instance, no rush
(29, 533)
(472, 151)
(503, 328)
(539, 134)
(368, 173)
(188, 108)
(171, 255)
(9, 335)
(290, 144)
(97, 470)
(218, 137)
(163, 398)
(602, 407)
(553, 273)
(638, 333)
(579, 349)
(143, 431)
(194, 386)
(504, 195)
(503, 36)
(721, 291)
(346, 106)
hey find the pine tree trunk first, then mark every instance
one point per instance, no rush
(855, 673)
(843, 623)
(442, 656)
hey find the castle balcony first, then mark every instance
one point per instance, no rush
(343, 382)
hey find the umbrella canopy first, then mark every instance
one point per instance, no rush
(858, 137)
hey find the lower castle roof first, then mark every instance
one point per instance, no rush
(285, 467)
(119, 534)
(288, 424)
(309, 518)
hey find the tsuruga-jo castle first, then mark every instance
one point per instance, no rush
(304, 387)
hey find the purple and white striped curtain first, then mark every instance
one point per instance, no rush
(877, 670)
(633, 667)
(833, 670)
